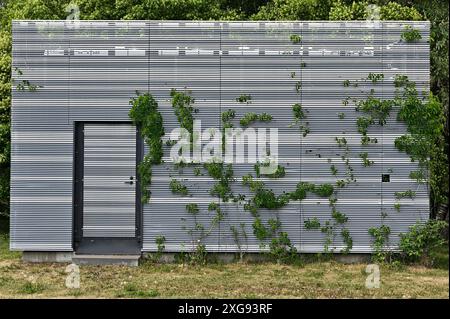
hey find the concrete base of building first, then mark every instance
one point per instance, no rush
(124, 260)
(353, 258)
(47, 256)
(133, 260)
(255, 257)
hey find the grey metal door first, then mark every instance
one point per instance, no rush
(109, 181)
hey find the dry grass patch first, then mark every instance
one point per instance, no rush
(237, 280)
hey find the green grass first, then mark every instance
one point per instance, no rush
(5, 253)
(31, 288)
(439, 257)
(313, 278)
(132, 291)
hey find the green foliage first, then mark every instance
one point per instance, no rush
(380, 237)
(295, 38)
(311, 224)
(425, 141)
(301, 191)
(410, 34)
(341, 141)
(170, 142)
(199, 256)
(348, 240)
(160, 242)
(132, 291)
(227, 116)
(365, 140)
(339, 217)
(363, 124)
(377, 109)
(192, 208)
(324, 190)
(397, 207)
(406, 194)
(365, 158)
(182, 103)
(31, 288)
(435, 163)
(419, 175)
(244, 98)
(298, 86)
(340, 10)
(298, 111)
(4, 190)
(346, 83)
(260, 231)
(341, 115)
(421, 238)
(197, 171)
(213, 206)
(328, 230)
(333, 170)
(282, 250)
(375, 77)
(144, 114)
(250, 117)
(224, 174)
(178, 188)
(341, 183)
(247, 180)
(266, 198)
(293, 10)
(400, 80)
(214, 169)
(239, 234)
(299, 115)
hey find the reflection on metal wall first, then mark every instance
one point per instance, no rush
(89, 72)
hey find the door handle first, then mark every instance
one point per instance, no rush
(130, 181)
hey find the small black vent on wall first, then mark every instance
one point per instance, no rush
(385, 178)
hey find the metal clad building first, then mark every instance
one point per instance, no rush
(74, 151)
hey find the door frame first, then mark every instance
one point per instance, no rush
(77, 190)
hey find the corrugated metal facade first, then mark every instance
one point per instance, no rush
(89, 72)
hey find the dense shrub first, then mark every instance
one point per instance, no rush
(421, 239)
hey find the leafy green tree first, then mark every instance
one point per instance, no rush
(294, 10)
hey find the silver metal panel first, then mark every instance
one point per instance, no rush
(42, 141)
(104, 62)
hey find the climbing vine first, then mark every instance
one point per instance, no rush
(178, 188)
(249, 118)
(380, 239)
(299, 116)
(375, 112)
(145, 115)
(295, 38)
(182, 104)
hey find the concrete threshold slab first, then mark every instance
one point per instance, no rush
(126, 260)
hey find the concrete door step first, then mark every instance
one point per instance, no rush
(127, 260)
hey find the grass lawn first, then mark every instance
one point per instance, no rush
(236, 280)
